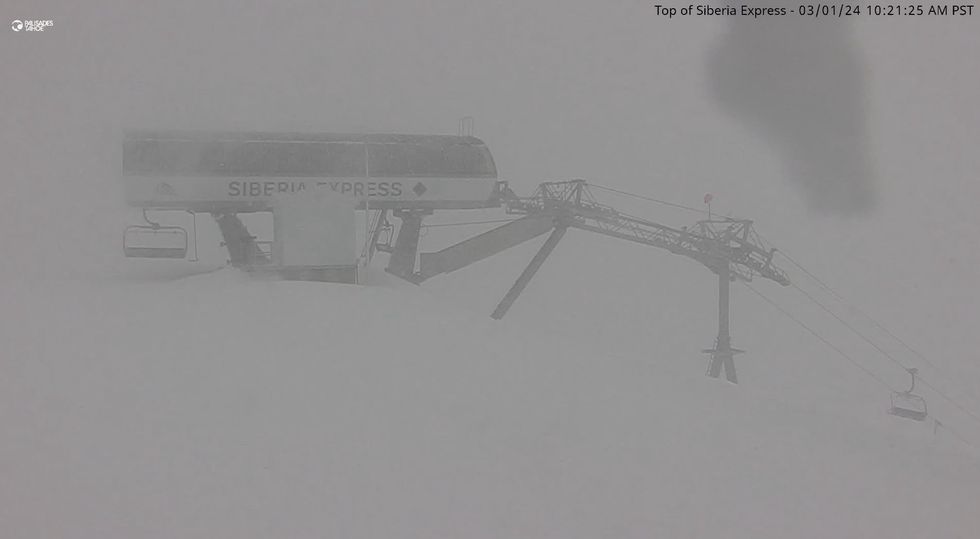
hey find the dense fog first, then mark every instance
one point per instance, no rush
(849, 141)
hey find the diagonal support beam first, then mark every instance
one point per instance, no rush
(529, 271)
(375, 233)
(484, 245)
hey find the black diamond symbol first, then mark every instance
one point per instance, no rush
(419, 189)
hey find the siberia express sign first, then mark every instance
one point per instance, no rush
(245, 171)
(357, 188)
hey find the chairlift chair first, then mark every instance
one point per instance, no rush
(907, 404)
(154, 240)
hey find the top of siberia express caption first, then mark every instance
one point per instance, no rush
(709, 10)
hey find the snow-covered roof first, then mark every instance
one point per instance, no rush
(203, 154)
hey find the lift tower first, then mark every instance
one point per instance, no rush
(727, 239)
(728, 247)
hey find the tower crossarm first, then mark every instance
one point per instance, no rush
(713, 243)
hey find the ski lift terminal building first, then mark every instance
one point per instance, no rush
(242, 172)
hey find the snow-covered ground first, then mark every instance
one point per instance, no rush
(215, 405)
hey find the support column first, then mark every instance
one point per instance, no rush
(242, 249)
(402, 261)
(723, 355)
(529, 271)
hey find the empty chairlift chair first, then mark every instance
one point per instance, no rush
(154, 240)
(907, 404)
